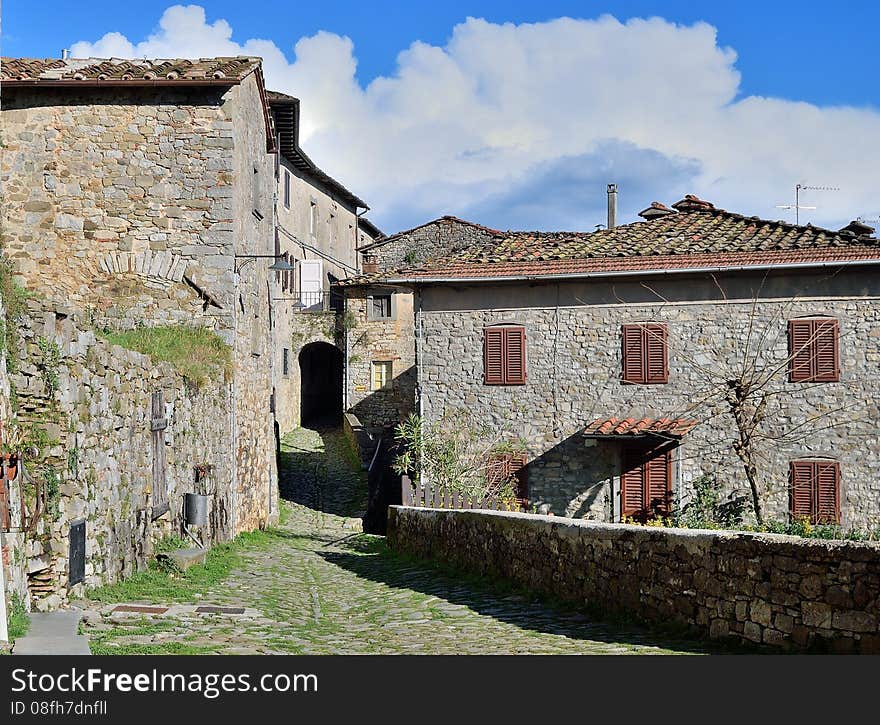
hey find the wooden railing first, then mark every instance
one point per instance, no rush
(430, 497)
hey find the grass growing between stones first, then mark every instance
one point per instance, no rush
(160, 648)
(156, 585)
(197, 353)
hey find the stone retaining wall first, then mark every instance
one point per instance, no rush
(97, 422)
(780, 591)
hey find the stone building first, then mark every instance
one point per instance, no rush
(318, 231)
(140, 193)
(380, 379)
(611, 358)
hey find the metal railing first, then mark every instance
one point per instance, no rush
(319, 301)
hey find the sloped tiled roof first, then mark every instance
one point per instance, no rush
(696, 236)
(51, 71)
(449, 219)
(632, 427)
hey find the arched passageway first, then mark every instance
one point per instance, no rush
(320, 369)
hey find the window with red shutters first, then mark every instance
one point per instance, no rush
(814, 491)
(646, 484)
(504, 355)
(508, 466)
(645, 355)
(813, 350)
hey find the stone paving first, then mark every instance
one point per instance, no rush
(319, 586)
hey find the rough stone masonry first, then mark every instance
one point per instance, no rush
(781, 591)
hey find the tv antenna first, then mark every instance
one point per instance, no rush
(797, 199)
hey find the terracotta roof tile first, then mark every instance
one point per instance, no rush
(35, 71)
(632, 427)
(700, 237)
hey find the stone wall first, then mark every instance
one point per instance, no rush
(12, 541)
(574, 366)
(301, 330)
(394, 340)
(372, 340)
(128, 207)
(438, 238)
(97, 419)
(251, 196)
(115, 195)
(780, 591)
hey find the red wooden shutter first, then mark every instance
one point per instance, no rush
(801, 489)
(800, 350)
(515, 355)
(656, 359)
(814, 351)
(827, 477)
(659, 486)
(504, 355)
(517, 469)
(496, 470)
(632, 484)
(633, 354)
(826, 356)
(493, 355)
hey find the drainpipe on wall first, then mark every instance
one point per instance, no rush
(612, 206)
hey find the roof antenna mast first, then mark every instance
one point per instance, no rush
(797, 199)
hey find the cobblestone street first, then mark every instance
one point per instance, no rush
(316, 585)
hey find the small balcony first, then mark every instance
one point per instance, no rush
(319, 301)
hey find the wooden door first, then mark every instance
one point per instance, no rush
(645, 483)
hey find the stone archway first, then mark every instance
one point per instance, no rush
(320, 368)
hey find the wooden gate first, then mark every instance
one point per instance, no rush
(158, 424)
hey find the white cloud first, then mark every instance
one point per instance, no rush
(501, 114)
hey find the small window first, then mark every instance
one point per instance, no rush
(814, 491)
(813, 351)
(645, 484)
(382, 372)
(504, 355)
(313, 218)
(645, 356)
(285, 362)
(380, 307)
(286, 189)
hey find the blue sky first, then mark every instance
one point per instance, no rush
(825, 52)
(791, 88)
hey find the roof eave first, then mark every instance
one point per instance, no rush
(633, 273)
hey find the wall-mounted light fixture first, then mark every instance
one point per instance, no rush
(279, 265)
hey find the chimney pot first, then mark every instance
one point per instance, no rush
(65, 54)
(693, 203)
(859, 228)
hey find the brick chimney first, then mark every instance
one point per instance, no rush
(655, 211)
(370, 264)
